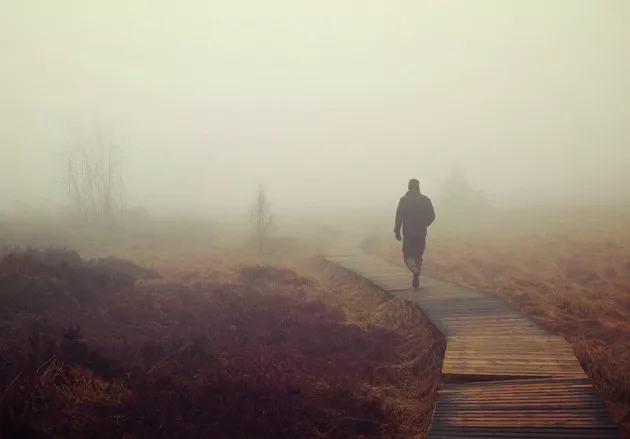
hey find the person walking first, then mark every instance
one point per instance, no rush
(414, 215)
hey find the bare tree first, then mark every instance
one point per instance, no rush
(459, 198)
(94, 178)
(261, 218)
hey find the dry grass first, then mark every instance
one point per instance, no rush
(223, 345)
(288, 346)
(567, 268)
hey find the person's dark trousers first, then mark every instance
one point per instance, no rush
(413, 252)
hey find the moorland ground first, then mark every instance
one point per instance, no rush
(201, 336)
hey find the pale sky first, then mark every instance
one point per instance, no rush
(327, 103)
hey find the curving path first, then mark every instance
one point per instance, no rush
(503, 375)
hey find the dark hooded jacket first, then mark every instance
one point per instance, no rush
(414, 214)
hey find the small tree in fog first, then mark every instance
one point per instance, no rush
(94, 179)
(459, 198)
(457, 191)
(261, 219)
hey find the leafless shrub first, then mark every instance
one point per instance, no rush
(261, 219)
(95, 183)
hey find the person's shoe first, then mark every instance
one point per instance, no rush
(416, 280)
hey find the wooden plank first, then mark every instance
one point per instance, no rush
(517, 355)
(525, 408)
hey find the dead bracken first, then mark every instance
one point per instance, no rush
(89, 351)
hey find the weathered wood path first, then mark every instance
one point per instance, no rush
(504, 376)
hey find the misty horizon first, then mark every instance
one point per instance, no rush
(329, 107)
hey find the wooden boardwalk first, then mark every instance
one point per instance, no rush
(504, 376)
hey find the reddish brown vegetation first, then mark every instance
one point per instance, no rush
(88, 351)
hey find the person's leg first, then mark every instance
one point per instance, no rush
(411, 265)
(419, 252)
(408, 256)
(410, 251)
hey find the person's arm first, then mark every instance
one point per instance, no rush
(430, 213)
(399, 220)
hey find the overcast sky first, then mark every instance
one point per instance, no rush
(328, 103)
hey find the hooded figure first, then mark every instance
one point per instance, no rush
(414, 215)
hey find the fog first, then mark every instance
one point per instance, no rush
(330, 105)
